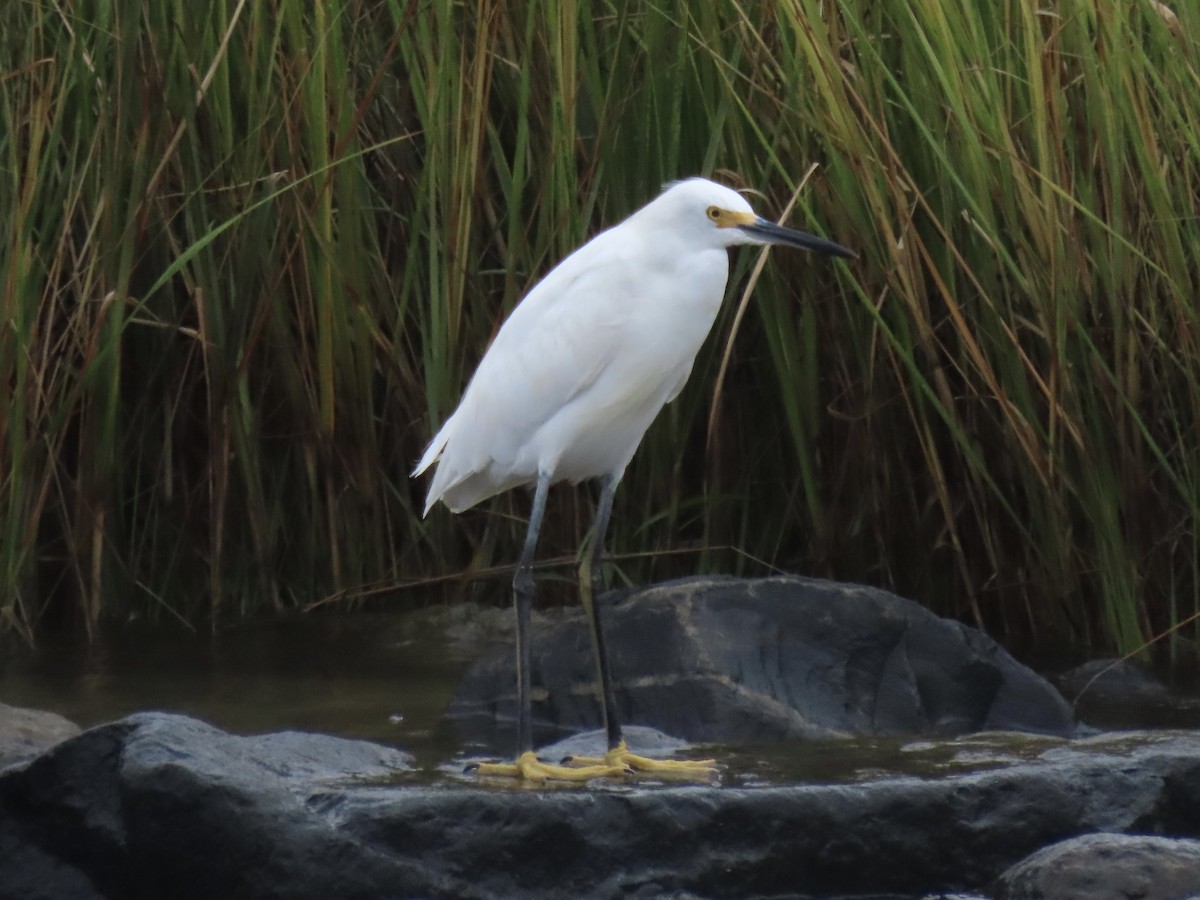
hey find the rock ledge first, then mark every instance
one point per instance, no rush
(160, 805)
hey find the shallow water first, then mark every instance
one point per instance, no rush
(372, 676)
(389, 678)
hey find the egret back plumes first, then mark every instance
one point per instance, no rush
(585, 362)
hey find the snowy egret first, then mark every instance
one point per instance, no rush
(572, 381)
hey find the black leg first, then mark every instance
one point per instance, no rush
(523, 590)
(591, 585)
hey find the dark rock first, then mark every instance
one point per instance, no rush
(159, 805)
(1106, 867)
(1122, 676)
(24, 733)
(731, 660)
(156, 805)
(1120, 693)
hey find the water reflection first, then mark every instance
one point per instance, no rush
(371, 676)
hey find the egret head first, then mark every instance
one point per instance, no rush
(721, 216)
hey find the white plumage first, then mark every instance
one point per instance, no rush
(589, 357)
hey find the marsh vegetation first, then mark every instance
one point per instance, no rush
(250, 251)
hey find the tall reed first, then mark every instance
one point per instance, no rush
(252, 251)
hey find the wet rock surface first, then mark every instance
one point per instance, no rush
(24, 733)
(160, 805)
(717, 659)
(1107, 867)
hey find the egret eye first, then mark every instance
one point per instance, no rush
(714, 213)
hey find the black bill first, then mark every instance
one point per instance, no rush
(769, 233)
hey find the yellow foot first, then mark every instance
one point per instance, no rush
(670, 769)
(529, 768)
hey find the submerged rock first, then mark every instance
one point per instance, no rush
(1121, 693)
(164, 806)
(717, 659)
(640, 739)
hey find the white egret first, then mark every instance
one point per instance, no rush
(572, 381)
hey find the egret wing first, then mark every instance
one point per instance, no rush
(553, 348)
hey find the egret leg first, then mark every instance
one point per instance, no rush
(591, 586)
(523, 593)
(528, 766)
